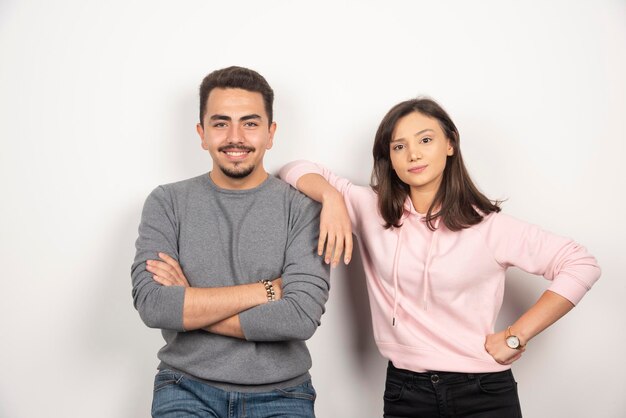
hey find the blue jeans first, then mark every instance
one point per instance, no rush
(450, 395)
(176, 395)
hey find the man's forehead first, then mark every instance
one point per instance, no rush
(235, 102)
(234, 96)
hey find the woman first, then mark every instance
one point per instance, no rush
(435, 251)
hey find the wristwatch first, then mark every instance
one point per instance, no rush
(512, 341)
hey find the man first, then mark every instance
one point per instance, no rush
(226, 268)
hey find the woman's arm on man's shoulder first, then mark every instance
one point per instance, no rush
(324, 187)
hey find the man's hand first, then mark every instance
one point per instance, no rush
(277, 284)
(167, 271)
(335, 229)
(495, 344)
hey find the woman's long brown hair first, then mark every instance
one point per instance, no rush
(460, 204)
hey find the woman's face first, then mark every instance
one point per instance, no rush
(418, 151)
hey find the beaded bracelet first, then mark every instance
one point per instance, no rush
(269, 290)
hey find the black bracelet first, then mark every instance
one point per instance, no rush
(269, 290)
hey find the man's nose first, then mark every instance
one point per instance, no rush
(235, 134)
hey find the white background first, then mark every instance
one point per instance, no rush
(98, 105)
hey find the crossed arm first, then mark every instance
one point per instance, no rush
(164, 299)
(216, 309)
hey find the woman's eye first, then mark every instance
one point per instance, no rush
(398, 147)
(426, 140)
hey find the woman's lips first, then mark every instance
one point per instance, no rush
(417, 169)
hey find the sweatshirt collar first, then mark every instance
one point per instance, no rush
(212, 185)
(409, 209)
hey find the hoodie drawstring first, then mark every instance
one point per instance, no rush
(426, 276)
(394, 274)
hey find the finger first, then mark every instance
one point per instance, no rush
(338, 251)
(174, 270)
(348, 249)
(321, 241)
(162, 265)
(166, 271)
(162, 280)
(165, 267)
(172, 262)
(514, 358)
(156, 269)
(330, 245)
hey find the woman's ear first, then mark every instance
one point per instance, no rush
(450, 151)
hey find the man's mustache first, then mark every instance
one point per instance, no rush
(236, 147)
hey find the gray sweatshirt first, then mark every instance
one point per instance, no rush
(230, 237)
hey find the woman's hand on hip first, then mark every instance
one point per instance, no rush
(495, 344)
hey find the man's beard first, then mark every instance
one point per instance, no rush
(237, 172)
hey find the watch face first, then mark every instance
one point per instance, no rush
(512, 341)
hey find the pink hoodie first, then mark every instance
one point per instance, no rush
(435, 295)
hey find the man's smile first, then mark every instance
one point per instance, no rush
(236, 152)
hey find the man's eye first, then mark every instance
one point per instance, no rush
(219, 125)
(251, 124)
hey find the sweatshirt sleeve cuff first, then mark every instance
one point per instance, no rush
(569, 288)
(165, 311)
(296, 169)
(262, 323)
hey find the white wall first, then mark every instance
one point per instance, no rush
(98, 106)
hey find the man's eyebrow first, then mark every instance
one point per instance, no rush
(228, 118)
(417, 134)
(248, 117)
(219, 117)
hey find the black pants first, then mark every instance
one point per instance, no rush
(450, 395)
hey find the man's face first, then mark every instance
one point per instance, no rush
(236, 133)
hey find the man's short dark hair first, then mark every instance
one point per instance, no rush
(237, 78)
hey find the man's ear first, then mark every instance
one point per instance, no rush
(200, 130)
(270, 141)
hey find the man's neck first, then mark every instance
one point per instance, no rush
(229, 183)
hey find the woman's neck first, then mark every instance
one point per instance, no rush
(422, 199)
